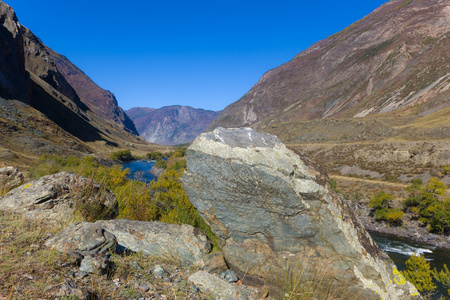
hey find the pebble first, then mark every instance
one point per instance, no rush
(229, 276)
(160, 271)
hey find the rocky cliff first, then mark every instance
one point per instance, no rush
(394, 63)
(171, 125)
(277, 217)
(100, 101)
(41, 110)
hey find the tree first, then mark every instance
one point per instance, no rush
(418, 272)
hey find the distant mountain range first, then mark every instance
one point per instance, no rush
(171, 125)
(382, 75)
(48, 105)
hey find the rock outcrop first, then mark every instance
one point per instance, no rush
(54, 197)
(277, 217)
(159, 239)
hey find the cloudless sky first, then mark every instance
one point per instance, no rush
(205, 54)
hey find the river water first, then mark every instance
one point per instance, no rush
(400, 250)
(140, 170)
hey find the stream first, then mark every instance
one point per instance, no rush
(400, 250)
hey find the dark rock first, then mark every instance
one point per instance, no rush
(276, 213)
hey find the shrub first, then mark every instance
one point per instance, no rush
(122, 155)
(429, 202)
(155, 155)
(160, 164)
(418, 273)
(382, 210)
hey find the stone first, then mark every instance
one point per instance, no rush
(160, 271)
(10, 177)
(221, 289)
(277, 216)
(97, 264)
(229, 276)
(54, 197)
(182, 242)
(84, 238)
(215, 263)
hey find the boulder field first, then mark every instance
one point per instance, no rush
(279, 221)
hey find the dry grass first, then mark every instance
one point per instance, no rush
(28, 268)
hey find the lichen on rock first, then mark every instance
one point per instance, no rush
(275, 213)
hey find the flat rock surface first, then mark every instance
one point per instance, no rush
(275, 212)
(155, 238)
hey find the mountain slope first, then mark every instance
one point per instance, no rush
(394, 61)
(100, 101)
(40, 111)
(171, 125)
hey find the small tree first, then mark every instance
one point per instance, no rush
(382, 210)
(418, 272)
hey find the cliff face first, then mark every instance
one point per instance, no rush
(49, 116)
(171, 125)
(100, 101)
(395, 60)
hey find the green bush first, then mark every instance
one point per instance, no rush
(382, 210)
(155, 155)
(430, 203)
(160, 164)
(418, 273)
(122, 155)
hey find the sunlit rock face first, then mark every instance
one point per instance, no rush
(276, 216)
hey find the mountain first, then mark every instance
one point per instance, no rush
(385, 71)
(100, 101)
(44, 109)
(171, 125)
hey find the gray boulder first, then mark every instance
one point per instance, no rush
(221, 289)
(84, 238)
(55, 196)
(10, 177)
(182, 242)
(277, 217)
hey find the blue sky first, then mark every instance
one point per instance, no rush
(206, 54)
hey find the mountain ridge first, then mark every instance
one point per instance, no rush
(171, 125)
(395, 60)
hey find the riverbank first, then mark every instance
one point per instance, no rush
(411, 229)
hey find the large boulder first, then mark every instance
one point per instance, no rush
(183, 242)
(55, 197)
(279, 221)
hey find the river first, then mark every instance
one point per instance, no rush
(140, 170)
(400, 250)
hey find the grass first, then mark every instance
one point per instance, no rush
(28, 268)
(303, 283)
